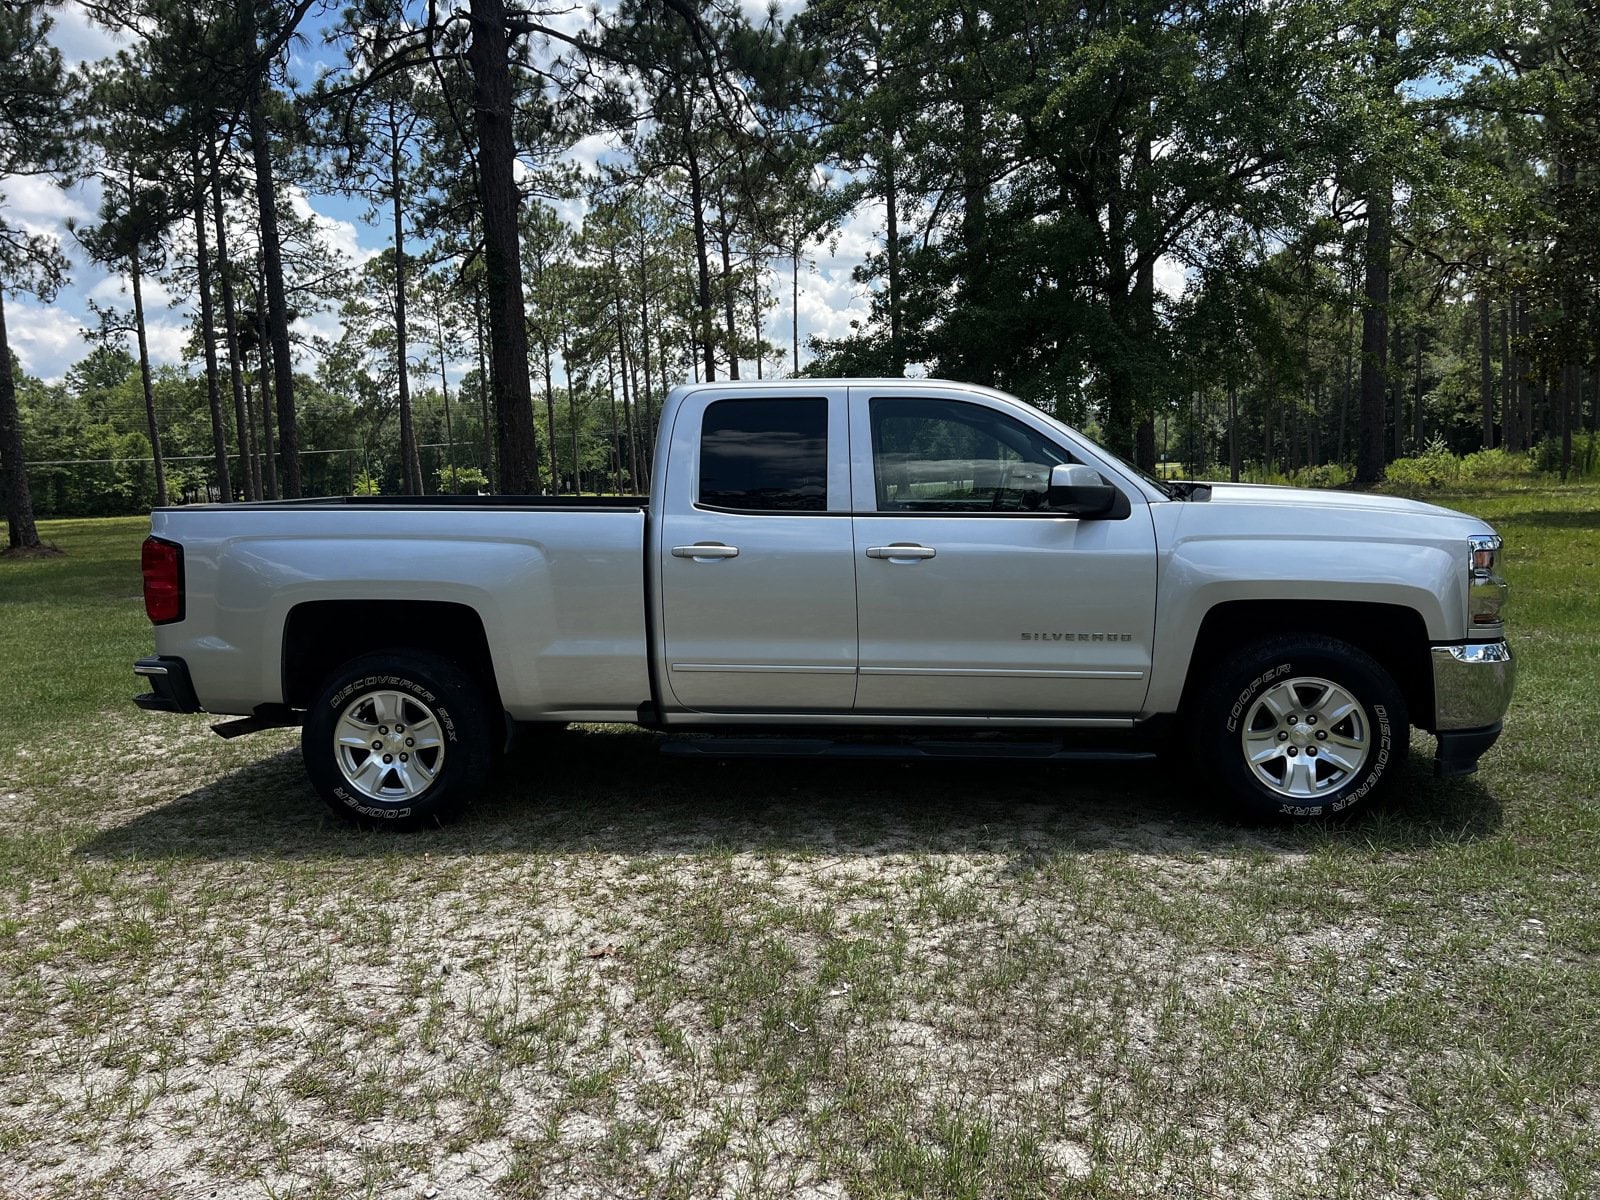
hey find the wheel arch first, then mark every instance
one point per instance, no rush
(1392, 634)
(320, 635)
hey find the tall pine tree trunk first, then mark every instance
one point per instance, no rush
(22, 532)
(1144, 315)
(572, 413)
(891, 204)
(1510, 433)
(616, 436)
(251, 479)
(484, 384)
(410, 460)
(1418, 438)
(1485, 368)
(444, 390)
(488, 60)
(627, 399)
(1233, 432)
(644, 344)
(729, 292)
(1374, 332)
(1349, 383)
(277, 301)
(702, 257)
(1569, 407)
(154, 426)
(794, 300)
(208, 333)
(269, 458)
(1524, 373)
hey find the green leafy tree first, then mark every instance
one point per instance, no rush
(37, 138)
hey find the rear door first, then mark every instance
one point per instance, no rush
(972, 596)
(756, 559)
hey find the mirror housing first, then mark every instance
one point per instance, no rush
(1079, 491)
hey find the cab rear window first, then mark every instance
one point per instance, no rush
(765, 455)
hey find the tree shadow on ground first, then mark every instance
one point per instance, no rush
(1554, 519)
(609, 791)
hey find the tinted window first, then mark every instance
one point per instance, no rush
(765, 454)
(949, 456)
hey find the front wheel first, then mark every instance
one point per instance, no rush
(1301, 727)
(397, 739)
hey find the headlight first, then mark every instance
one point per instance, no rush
(1486, 591)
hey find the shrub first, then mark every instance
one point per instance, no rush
(466, 480)
(1495, 464)
(1429, 471)
(1325, 475)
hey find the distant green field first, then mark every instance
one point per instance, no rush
(625, 976)
(71, 627)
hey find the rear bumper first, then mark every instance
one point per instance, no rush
(1472, 687)
(171, 690)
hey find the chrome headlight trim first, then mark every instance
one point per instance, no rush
(1486, 591)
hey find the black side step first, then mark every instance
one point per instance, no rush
(266, 716)
(917, 749)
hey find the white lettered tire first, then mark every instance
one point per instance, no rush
(397, 739)
(1300, 727)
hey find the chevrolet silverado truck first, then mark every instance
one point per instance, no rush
(855, 567)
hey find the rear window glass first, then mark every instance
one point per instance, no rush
(765, 455)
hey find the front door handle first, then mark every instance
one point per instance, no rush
(901, 552)
(705, 551)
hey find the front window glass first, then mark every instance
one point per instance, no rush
(941, 456)
(765, 455)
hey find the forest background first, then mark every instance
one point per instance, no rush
(1375, 226)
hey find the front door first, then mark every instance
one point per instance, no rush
(754, 553)
(972, 597)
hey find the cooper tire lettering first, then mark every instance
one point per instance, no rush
(440, 782)
(1217, 731)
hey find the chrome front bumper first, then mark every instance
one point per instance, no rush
(1472, 684)
(1471, 691)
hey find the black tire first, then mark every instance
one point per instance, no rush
(431, 747)
(1325, 725)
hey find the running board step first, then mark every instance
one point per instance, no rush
(929, 748)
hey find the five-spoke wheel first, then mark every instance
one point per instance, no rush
(1300, 726)
(399, 737)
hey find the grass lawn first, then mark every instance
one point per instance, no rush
(623, 976)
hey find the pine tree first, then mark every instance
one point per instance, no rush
(38, 132)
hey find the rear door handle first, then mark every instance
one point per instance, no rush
(704, 551)
(901, 552)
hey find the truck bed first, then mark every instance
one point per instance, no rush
(557, 583)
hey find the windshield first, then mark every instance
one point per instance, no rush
(1166, 489)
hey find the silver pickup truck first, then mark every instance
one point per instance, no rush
(867, 567)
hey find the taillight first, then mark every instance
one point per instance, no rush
(162, 564)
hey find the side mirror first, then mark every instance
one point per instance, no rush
(1079, 491)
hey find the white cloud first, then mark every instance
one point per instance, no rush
(167, 340)
(47, 338)
(343, 236)
(35, 204)
(80, 39)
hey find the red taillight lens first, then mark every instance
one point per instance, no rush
(162, 563)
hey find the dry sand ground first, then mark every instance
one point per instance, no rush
(622, 977)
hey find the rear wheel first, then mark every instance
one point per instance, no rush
(398, 739)
(1301, 728)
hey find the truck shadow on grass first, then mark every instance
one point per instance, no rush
(592, 791)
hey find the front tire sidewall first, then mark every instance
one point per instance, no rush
(1221, 724)
(447, 693)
